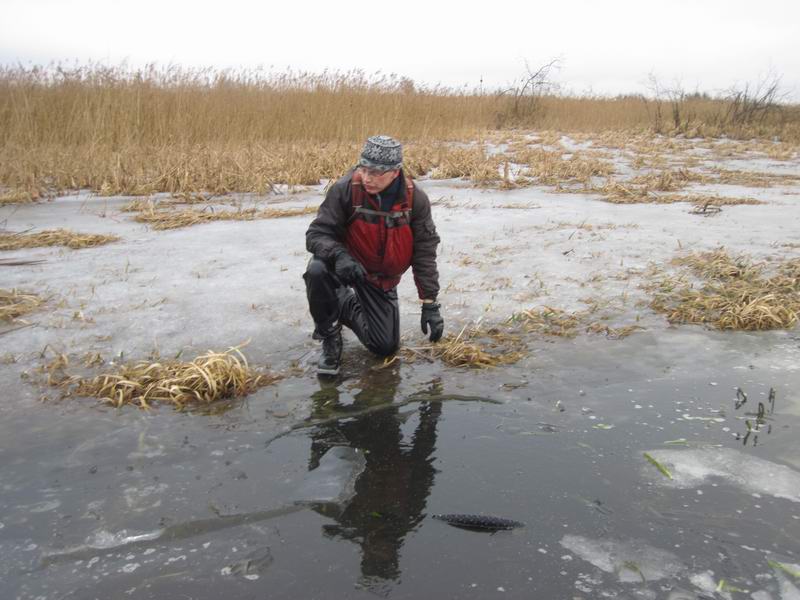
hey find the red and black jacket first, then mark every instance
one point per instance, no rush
(386, 243)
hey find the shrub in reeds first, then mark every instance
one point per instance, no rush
(732, 293)
(53, 237)
(208, 378)
(15, 304)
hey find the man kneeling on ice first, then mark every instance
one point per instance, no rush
(373, 224)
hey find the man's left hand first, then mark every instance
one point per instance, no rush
(433, 318)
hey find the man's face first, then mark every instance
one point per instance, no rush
(376, 181)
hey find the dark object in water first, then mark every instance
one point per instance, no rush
(479, 522)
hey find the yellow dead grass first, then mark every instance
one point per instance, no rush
(118, 131)
(15, 304)
(548, 321)
(473, 347)
(733, 293)
(753, 179)
(473, 163)
(614, 333)
(19, 196)
(169, 219)
(53, 237)
(549, 167)
(557, 322)
(631, 192)
(206, 379)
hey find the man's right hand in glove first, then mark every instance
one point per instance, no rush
(431, 317)
(348, 269)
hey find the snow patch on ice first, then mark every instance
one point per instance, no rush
(630, 560)
(705, 582)
(691, 468)
(789, 590)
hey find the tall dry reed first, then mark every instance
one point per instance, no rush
(117, 130)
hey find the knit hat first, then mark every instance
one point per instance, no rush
(381, 152)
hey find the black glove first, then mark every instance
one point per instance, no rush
(432, 317)
(348, 269)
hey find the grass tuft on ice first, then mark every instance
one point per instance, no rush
(733, 293)
(53, 237)
(206, 379)
(15, 304)
(472, 347)
(168, 219)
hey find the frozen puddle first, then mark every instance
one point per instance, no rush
(691, 468)
(631, 561)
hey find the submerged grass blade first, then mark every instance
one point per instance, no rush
(787, 569)
(664, 470)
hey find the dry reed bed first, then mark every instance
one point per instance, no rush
(200, 171)
(208, 378)
(560, 323)
(174, 219)
(630, 192)
(176, 129)
(731, 293)
(214, 169)
(15, 304)
(550, 167)
(53, 237)
(481, 347)
(473, 347)
(19, 196)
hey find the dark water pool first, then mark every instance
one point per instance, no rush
(327, 489)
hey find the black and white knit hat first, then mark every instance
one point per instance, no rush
(381, 152)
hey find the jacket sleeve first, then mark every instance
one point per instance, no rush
(423, 261)
(325, 236)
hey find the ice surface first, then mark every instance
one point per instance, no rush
(334, 479)
(103, 540)
(630, 560)
(706, 583)
(789, 590)
(691, 468)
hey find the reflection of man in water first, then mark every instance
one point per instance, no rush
(391, 492)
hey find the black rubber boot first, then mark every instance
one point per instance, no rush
(331, 357)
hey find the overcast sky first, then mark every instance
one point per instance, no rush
(603, 46)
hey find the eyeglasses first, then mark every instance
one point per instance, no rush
(373, 172)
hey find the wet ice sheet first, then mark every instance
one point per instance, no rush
(629, 560)
(692, 468)
(334, 478)
(82, 484)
